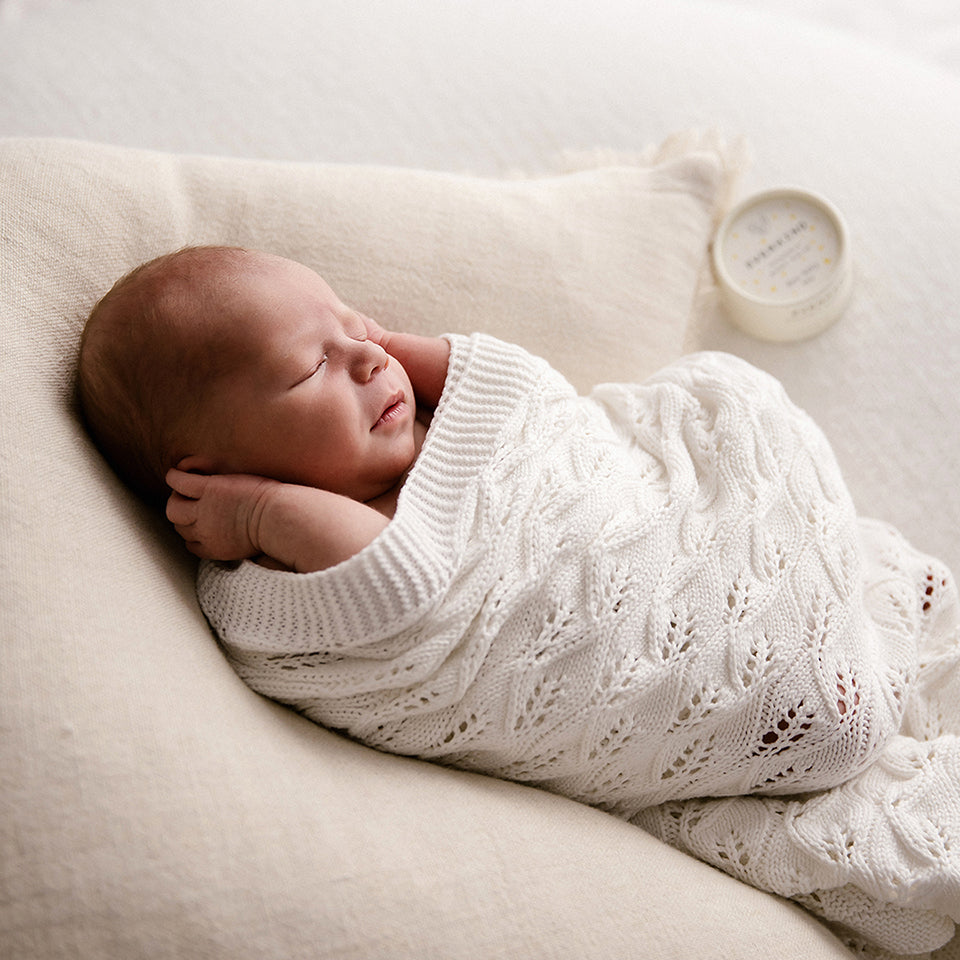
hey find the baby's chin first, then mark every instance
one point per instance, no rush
(388, 486)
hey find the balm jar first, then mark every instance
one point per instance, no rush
(782, 262)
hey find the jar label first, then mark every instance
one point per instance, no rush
(781, 249)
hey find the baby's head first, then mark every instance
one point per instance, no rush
(226, 360)
(145, 357)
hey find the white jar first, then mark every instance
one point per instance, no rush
(782, 262)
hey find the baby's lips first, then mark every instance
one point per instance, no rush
(391, 404)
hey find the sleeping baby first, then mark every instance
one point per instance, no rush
(656, 599)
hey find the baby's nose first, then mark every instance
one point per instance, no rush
(369, 359)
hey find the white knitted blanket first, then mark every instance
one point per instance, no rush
(656, 600)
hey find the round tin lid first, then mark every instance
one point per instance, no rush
(782, 261)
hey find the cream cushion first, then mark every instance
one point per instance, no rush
(152, 805)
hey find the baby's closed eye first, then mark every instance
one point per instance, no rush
(312, 372)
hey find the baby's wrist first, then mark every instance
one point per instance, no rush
(274, 517)
(306, 528)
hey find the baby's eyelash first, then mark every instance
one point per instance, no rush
(312, 372)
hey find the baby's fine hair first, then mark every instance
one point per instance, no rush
(143, 366)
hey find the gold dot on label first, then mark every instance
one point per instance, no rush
(813, 226)
(773, 289)
(793, 216)
(826, 259)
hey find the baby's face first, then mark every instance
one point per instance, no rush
(308, 398)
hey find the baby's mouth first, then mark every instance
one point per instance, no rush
(391, 411)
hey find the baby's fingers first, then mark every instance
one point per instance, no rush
(189, 485)
(181, 510)
(374, 331)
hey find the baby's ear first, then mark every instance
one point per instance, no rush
(196, 463)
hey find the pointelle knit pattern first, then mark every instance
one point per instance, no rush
(657, 600)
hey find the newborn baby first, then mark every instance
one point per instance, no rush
(656, 599)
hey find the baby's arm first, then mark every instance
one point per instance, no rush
(424, 358)
(236, 516)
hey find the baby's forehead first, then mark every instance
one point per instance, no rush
(226, 298)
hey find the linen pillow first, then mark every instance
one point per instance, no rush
(153, 805)
(595, 268)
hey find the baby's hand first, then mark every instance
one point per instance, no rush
(218, 515)
(292, 527)
(375, 332)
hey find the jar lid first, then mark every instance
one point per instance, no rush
(782, 261)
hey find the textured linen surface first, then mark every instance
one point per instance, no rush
(653, 594)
